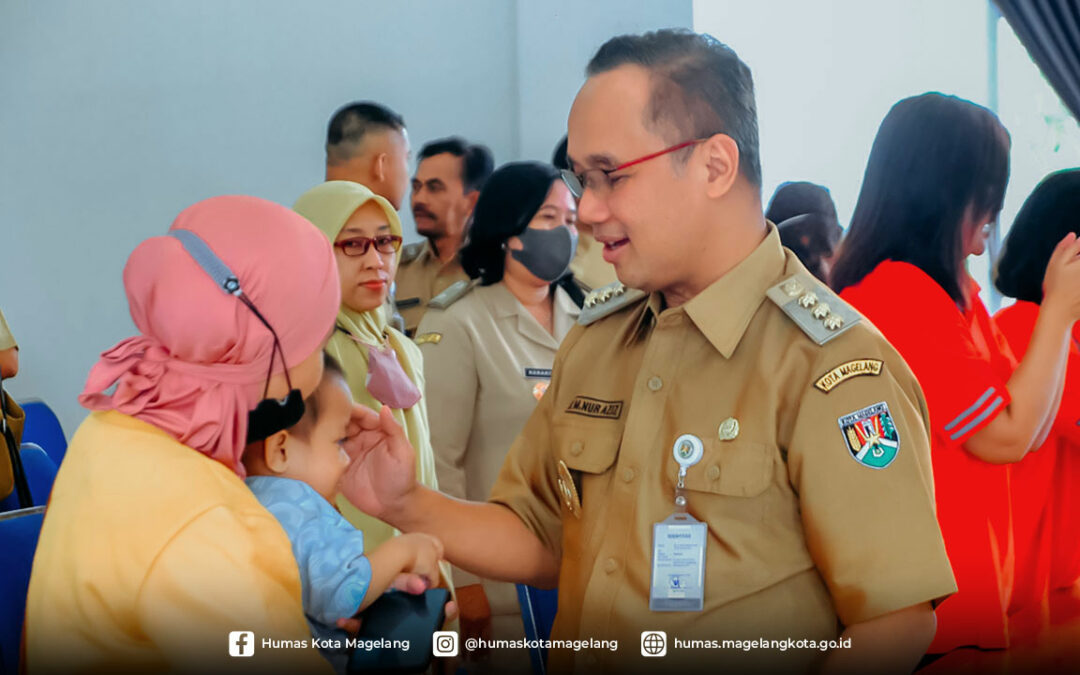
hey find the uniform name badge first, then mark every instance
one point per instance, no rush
(678, 561)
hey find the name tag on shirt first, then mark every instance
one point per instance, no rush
(539, 373)
(678, 565)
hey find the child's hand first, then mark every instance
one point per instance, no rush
(424, 554)
(410, 583)
(408, 562)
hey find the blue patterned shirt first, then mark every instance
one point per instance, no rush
(334, 572)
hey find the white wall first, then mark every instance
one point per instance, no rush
(116, 114)
(556, 39)
(826, 72)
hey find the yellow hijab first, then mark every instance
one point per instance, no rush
(329, 206)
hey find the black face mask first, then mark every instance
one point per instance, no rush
(270, 415)
(547, 253)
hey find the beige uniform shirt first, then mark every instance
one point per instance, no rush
(487, 361)
(589, 267)
(7, 340)
(420, 277)
(803, 537)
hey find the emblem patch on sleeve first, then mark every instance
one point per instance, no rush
(871, 436)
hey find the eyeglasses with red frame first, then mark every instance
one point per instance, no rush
(599, 180)
(357, 246)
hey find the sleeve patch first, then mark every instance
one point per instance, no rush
(871, 436)
(846, 371)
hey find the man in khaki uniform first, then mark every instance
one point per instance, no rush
(814, 481)
(449, 176)
(367, 143)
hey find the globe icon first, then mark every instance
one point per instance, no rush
(653, 643)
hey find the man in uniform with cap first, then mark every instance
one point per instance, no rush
(726, 450)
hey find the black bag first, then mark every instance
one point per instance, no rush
(7, 415)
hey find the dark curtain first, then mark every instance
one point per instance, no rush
(1050, 31)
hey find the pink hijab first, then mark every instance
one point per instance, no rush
(201, 360)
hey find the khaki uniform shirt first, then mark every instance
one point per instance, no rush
(803, 538)
(420, 277)
(487, 361)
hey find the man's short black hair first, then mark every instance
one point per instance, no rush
(477, 162)
(559, 159)
(352, 122)
(700, 88)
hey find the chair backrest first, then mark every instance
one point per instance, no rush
(43, 427)
(40, 474)
(538, 608)
(19, 531)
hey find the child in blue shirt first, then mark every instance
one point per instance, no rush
(295, 474)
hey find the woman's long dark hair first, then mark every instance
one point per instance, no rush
(934, 158)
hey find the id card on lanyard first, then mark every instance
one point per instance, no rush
(678, 559)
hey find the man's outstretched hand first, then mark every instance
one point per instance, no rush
(382, 472)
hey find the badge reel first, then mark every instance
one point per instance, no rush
(678, 562)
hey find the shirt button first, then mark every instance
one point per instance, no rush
(713, 473)
(576, 448)
(610, 565)
(628, 475)
(655, 383)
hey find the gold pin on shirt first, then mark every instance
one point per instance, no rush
(729, 429)
(568, 490)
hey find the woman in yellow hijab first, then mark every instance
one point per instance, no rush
(381, 365)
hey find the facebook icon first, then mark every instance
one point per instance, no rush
(241, 643)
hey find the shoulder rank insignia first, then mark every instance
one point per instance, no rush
(607, 299)
(819, 312)
(411, 252)
(453, 293)
(428, 338)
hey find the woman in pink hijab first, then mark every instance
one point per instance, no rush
(154, 555)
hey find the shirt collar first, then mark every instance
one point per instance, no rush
(723, 311)
(503, 303)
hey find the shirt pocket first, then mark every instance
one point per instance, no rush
(732, 468)
(589, 452)
(731, 482)
(587, 449)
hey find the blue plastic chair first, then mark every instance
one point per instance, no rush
(538, 608)
(43, 428)
(19, 531)
(40, 475)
